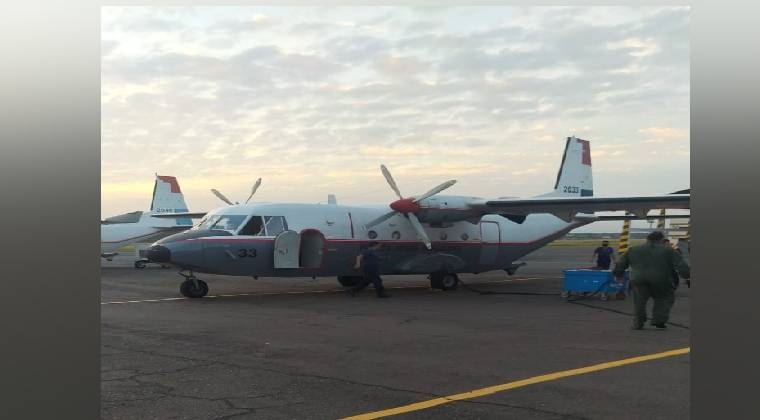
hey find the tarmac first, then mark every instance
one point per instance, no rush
(299, 348)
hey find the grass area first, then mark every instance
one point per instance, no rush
(593, 242)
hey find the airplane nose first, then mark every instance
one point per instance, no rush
(158, 253)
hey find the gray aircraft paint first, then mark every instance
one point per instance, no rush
(464, 248)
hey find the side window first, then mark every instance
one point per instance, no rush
(275, 225)
(254, 227)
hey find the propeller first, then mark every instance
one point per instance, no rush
(228, 201)
(408, 206)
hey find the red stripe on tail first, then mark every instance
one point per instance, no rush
(171, 181)
(586, 158)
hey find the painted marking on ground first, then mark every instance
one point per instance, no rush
(304, 292)
(516, 384)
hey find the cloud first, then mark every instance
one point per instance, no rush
(488, 94)
(665, 132)
(399, 66)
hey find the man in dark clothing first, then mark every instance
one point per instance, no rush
(603, 256)
(368, 258)
(652, 265)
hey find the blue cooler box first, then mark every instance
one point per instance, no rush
(594, 281)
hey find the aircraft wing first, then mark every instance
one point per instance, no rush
(567, 208)
(612, 218)
(185, 215)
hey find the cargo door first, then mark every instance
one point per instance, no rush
(490, 236)
(286, 246)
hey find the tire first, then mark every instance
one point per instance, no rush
(444, 281)
(604, 296)
(348, 281)
(140, 264)
(188, 289)
(449, 281)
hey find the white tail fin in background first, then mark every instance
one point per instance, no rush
(574, 178)
(168, 198)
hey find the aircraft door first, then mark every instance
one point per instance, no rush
(490, 236)
(286, 248)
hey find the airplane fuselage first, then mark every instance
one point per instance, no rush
(323, 240)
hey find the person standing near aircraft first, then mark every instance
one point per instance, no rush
(368, 259)
(652, 265)
(603, 255)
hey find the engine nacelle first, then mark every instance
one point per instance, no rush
(447, 209)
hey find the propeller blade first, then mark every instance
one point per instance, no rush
(390, 180)
(420, 230)
(435, 190)
(221, 196)
(380, 219)
(253, 190)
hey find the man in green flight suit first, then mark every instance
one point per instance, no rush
(652, 266)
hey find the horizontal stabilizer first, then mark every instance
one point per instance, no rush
(191, 215)
(567, 208)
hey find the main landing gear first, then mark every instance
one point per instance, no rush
(193, 287)
(349, 281)
(444, 281)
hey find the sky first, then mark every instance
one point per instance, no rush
(314, 99)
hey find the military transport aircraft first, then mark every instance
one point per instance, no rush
(142, 226)
(425, 234)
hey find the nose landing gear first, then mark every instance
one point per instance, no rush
(192, 287)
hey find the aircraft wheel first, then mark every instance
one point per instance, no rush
(565, 294)
(449, 281)
(348, 281)
(604, 296)
(140, 264)
(188, 288)
(444, 281)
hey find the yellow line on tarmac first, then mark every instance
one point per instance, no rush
(517, 384)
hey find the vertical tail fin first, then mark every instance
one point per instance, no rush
(574, 178)
(168, 198)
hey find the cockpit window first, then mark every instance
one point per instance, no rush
(207, 221)
(275, 225)
(254, 227)
(228, 222)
